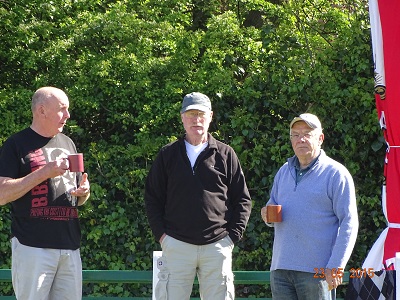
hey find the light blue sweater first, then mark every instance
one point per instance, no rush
(319, 216)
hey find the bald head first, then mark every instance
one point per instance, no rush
(50, 111)
(42, 95)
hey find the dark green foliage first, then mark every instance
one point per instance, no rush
(126, 66)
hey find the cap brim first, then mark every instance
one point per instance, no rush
(196, 107)
(297, 119)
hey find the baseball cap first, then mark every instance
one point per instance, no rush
(197, 101)
(310, 119)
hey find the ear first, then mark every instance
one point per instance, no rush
(42, 111)
(321, 139)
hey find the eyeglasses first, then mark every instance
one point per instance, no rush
(297, 136)
(195, 114)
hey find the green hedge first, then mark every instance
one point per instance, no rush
(126, 66)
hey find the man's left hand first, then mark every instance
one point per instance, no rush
(333, 278)
(84, 187)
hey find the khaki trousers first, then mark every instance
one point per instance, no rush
(181, 262)
(45, 274)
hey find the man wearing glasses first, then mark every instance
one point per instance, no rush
(319, 224)
(198, 206)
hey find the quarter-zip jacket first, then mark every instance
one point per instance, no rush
(200, 205)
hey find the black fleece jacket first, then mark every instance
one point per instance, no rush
(200, 205)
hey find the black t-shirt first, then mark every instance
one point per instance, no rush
(47, 216)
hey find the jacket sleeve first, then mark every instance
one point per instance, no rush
(240, 199)
(155, 196)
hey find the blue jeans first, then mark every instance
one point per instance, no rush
(296, 285)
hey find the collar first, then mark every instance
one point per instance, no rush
(294, 161)
(212, 142)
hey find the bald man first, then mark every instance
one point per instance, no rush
(44, 196)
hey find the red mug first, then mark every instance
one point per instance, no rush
(75, 162)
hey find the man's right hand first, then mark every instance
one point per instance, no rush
(264, 214)
(56, 168)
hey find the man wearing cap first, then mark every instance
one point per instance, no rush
(198, 206)
(319, 224)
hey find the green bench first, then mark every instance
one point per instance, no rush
(146, 277)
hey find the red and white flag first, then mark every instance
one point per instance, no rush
(385, 32)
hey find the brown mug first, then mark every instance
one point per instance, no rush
(76, 162)
(274, 213)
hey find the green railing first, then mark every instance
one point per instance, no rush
(146, 277)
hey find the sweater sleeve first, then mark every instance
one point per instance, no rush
(345, 208)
